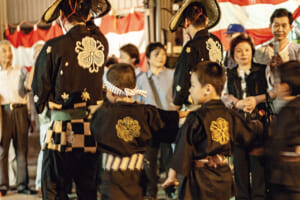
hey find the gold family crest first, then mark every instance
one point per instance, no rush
(220, 131)
(128, 129)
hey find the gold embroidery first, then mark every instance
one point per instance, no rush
(128, 128)
(85, 95)
(65, 96)
(220, 131)
(53, 106)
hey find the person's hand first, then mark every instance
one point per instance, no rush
(250, 104)
(275, 62)
(282, 90)
(229, 100)
(171, 179)
(183, 114)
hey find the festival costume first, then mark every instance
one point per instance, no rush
(208, 131)
(282, 151)
(202, 47)
(122, 131)
(68, 80)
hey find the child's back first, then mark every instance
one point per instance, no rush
(208, 133)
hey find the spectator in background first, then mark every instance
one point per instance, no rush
(14, 121)
(157, 81)
(129, 54)
(232, 31)
(280, 25)
(196, 17)
(247, 86)
(43, 119)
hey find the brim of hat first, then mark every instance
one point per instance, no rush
(212, 9)
(97, 11)
(52, 12)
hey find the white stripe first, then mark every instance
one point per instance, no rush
(109, 162)
(124, 163)
(104, 157)
(132, 162)
(115, 165)
(115, 41)
(139, 163)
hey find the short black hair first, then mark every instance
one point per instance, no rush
(281, 12)
(242, 37)
(152, 46)
(289, 72)
(209, 72)
(192, 14)
(132, 51)
(122, 75)
(82, 9)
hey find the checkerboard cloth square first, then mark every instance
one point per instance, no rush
(66, 136)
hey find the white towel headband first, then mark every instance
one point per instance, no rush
(126, 92)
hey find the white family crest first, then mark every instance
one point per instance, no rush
(215, 50)
(90, 54)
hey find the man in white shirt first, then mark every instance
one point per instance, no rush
(15, 121)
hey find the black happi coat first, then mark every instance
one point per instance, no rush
(210, 130)
(68, 71)
(204, 46)
(285, 133)
(151, 122)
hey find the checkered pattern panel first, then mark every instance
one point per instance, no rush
(69, 135)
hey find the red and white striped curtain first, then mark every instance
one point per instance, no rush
(254, 15)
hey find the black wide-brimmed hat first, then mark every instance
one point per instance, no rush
(99, 8)
(212, 11)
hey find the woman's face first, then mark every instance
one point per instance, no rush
(157, 58)
(243, 53)
(125, 58)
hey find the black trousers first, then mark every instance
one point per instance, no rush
(59, 167)
(151, 167)
(243, 165)
(280, 192)
(15, 127)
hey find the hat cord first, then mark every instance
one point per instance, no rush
(74, 11)
(200, 12)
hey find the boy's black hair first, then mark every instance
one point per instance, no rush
(242, 37)
(82, 9)
(152, 46)
(211, 73)
(122, 75)
(289, 72)
(132, 51)
(281, 12)
(192, 14)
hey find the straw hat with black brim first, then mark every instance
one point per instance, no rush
(99, 8)
(212, 9)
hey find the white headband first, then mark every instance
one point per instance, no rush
(126, 92)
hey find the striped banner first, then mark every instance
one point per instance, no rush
(254, 15)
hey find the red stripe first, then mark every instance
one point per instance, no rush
(259, 36)
(132, 22)
(252, 2)
(18, 38)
